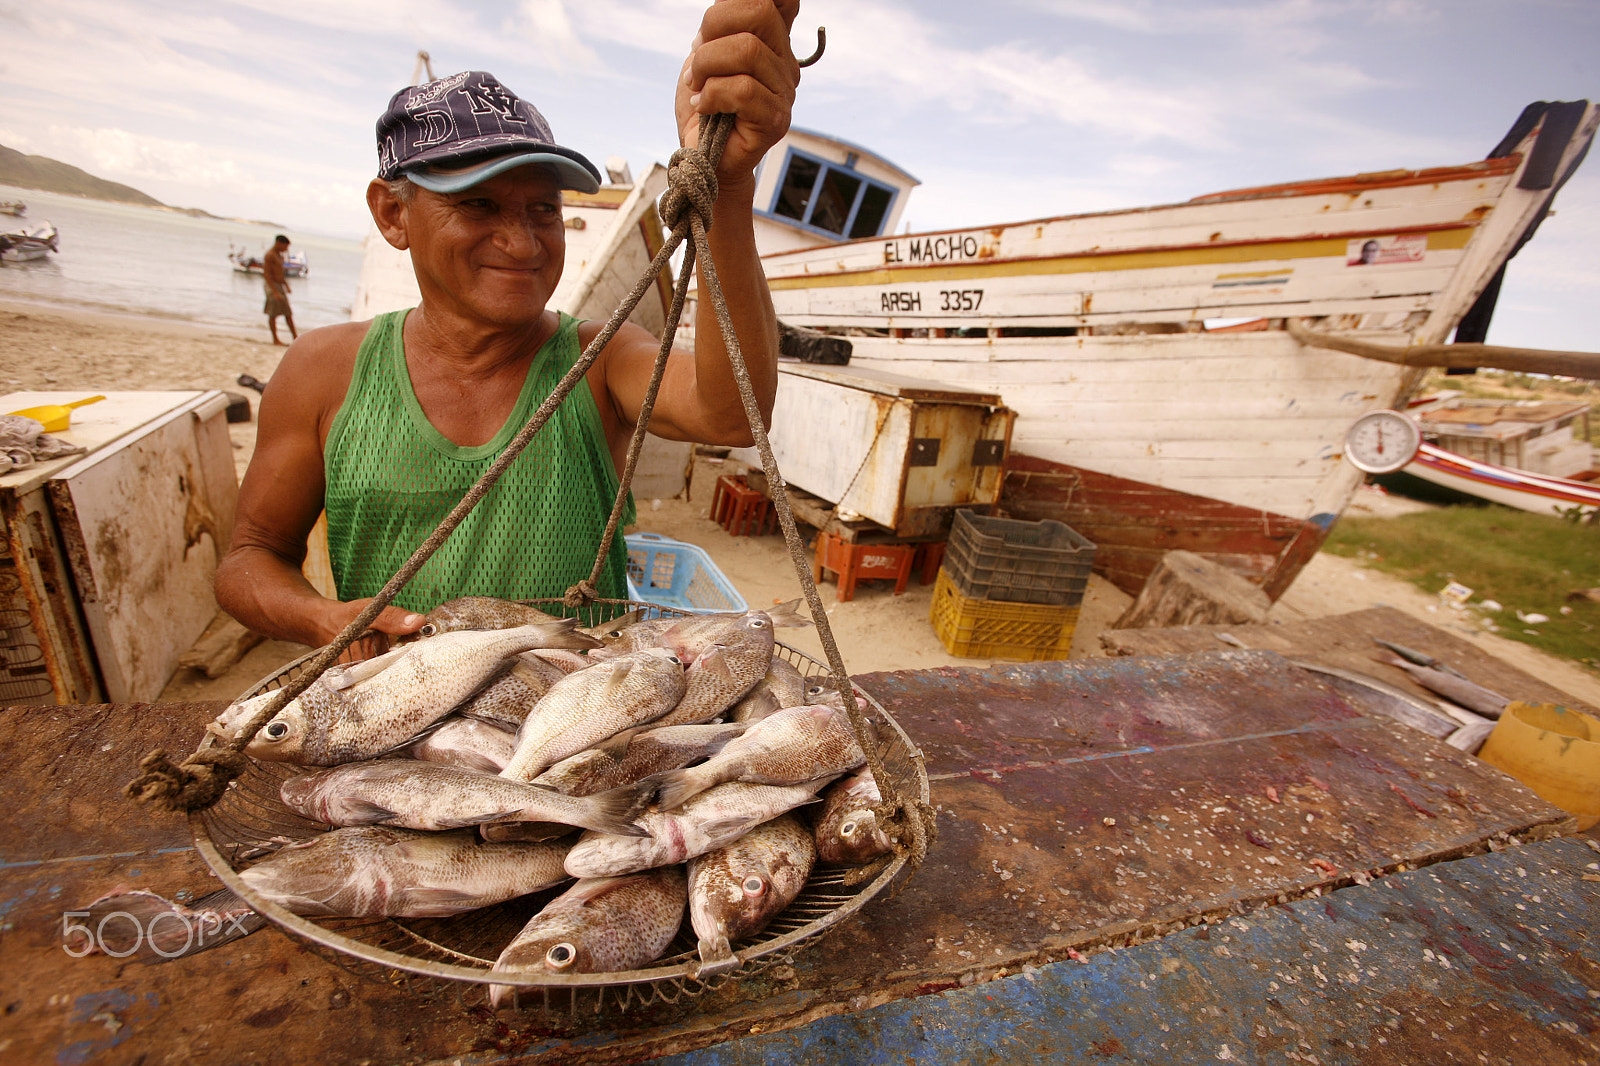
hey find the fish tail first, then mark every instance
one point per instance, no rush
(154, 929)
(614, 810)
(674, 788)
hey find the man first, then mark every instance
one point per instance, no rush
(276, 284)
(386, 423)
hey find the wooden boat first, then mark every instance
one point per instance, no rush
(1541, 494)
(24, 246)
(295, 264)
(1149, 416)
(15, 208)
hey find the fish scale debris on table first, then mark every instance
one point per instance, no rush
(374, 706)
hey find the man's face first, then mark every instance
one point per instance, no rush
(493, 252)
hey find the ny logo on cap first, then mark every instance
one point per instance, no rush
(492, 96)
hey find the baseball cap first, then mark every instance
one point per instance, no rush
(451, 134)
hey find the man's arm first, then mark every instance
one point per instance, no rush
(259, 581)
(740, 63)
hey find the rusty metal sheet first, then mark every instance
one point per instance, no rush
(1030, 765)
(1488, 959)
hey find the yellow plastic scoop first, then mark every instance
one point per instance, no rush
(55, 416)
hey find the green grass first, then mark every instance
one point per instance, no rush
(1524, 561)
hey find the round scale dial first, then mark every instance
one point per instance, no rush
(1381, 442)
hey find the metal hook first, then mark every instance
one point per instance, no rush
(822, 44)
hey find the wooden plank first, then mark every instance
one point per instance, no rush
(1347, 641)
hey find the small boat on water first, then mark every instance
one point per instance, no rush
(1183, 375)
(23, 246)
(15, 208)
(294, 263)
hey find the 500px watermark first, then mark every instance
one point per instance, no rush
(170, 934)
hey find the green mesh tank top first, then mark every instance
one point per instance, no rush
(391, 478)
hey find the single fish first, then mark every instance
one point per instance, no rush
(482, 612)
(423, 795)
(585, 708)
(361, 872)
(1468, 694)
(714, 819)
(466, 742)
(507, 699)
(600, 925)
(783, 686)
(726, 669)
(735, 891)
(368, 708)
(635, 754)
(688, 637)
(794, 745)
(847, 829)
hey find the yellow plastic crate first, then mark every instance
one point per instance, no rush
(995, 629)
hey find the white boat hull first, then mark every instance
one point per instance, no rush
(1504, 485)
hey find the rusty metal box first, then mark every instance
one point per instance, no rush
(900, 452)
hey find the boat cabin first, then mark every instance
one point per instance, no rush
(1539, 438)
(815, 189)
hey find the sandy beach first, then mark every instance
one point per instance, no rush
(47, 347)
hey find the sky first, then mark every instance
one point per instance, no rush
(1005, 109)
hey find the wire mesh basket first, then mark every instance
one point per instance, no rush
(453, 956)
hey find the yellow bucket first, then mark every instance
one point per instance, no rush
(1555, 752)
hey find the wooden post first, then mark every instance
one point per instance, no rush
(1186, 589)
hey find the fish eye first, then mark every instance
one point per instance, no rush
(275, 730)
(848, 829)
(428, 629)
(754, 885)
(758, 623)
(561, 956)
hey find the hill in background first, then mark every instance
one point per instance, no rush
(42, 172)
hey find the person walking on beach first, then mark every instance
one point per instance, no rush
(276, 284)
(385, 424)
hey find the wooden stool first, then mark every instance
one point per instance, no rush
(853, 562)
(740, 509)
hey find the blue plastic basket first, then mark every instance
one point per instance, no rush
(674, 574)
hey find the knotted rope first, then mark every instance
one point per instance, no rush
(686, 208)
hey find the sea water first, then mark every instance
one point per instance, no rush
(126, 259)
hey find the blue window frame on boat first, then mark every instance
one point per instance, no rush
(830, 198)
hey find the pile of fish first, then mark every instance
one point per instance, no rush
(660, 763)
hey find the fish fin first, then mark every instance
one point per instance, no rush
(789, 614)
(508, 814)
(621, 622)
(715, 949)
(155, 929)
(523, 832)
(616, 746)
(671, 789)
(340, 678)
(353, 811)
(714, 660)
(590, 889)
(435, 902)
(564, 634)
(724, 831)
(619, 676)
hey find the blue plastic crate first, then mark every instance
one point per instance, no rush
(674, 574)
